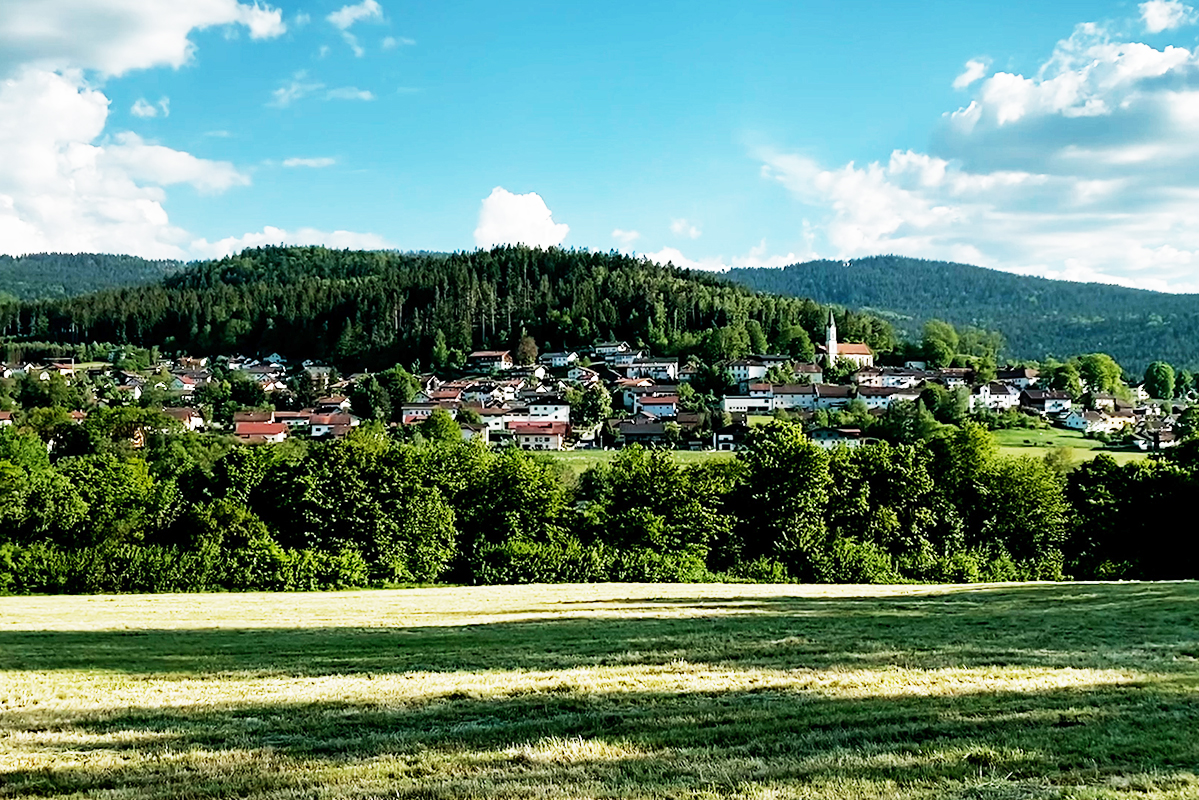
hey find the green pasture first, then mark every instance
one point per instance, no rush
(1038, 441)
(607, 690)
(583, 460)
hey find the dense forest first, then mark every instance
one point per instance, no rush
(55, 275)
(191, 513)
(1039, 318)
(375, 309)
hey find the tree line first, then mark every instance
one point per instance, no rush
(192, 513)
(374, 309)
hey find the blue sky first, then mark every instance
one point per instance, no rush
(1055, 139)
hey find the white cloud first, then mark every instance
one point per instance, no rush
(1165, 15)
(625, 237)
(141, 108)
(1087, 170)
(352, 240)
(346, 16)
(301, 19)
(117, 36)
(297, 88)
(315, 163)
(507, 218)
(756, 257)
(391, 42)
(66, 187)
(681, 227)
(975, 71)
(349, 93)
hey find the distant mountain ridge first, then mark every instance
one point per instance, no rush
(46, 276)
(1038, 317)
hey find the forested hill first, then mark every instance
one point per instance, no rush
(1038, 317)
(53, 275)
(371, 309)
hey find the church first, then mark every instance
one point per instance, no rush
(859, 354)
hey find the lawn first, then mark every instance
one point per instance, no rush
(1017, 691)
(582, 460)
(1036, 442)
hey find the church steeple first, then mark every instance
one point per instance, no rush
(830, 338)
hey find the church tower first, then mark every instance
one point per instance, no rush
(830, 339)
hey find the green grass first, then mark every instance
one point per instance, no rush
(582, 460)
(1036, 442)
(1018, 691)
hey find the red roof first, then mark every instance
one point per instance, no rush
(539, 428)
(329, 419)
(853, 349)
(260, 428)
(668, 400)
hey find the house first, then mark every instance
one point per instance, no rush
(953, 377)
(747, 404)
(795, 395)
(333, 404)
(660, 369)
(253, 416)
(625, 358)
(6, 418)
(334, 425)
(886, 396)
(558, 360)
(1022, 377)
(583, 375)
(549, 409)
(860, 354)
(260, 432)
(540, 435)
(643, 431)
(747, 369)
(995, 396)
(606, 350)
(730, 437)
(294, 419)
(828, 438)
(412, 413)
(658, 405)
(189, 418)
(490, 360)
(889, 377)
(1094, 422)
(1045, 401)
(471, 432)
(830, 396)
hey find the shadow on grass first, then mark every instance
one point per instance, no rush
(573, 741)
(638, 744)
(1135, 626)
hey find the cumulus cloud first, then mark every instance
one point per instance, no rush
(625, 237)
(117, 36)
(681, 227)
(1086, 170)
(975, 71)
(507, 218)
(1165, 15)
(202, 248)
(315, 163)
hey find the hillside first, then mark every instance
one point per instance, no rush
(1038, 317)
(366, 309)
(54, 275)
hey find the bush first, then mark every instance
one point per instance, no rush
(519, 561)
(848, 561)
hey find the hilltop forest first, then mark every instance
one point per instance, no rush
(54, 275)
(375, 309)
(1039, 318)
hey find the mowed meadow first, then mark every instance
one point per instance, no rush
(606, 690)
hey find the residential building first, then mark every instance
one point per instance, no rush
(1045, 401)
(558, 360)
(260, 432)
(540, 435)
(828, 438)
(658, 405)
(490, 360)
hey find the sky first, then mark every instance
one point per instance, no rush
(1057, 139)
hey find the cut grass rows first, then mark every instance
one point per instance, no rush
(1026, 691)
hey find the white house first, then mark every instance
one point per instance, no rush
(1094, 422)
(540, 435)
(744, 404)
(747, 369)
(558, 360)
(608, 349)
(659, 406)
(549, 409)
(660, 369)
(828, 438)
(797, 395)
(995, 396)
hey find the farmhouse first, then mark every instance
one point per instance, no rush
(490, 360)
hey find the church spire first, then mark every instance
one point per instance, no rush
(830, 337)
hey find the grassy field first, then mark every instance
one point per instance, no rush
(620, 691)
(582, 460)
(1030, 442)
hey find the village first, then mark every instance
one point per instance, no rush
(638, 398)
